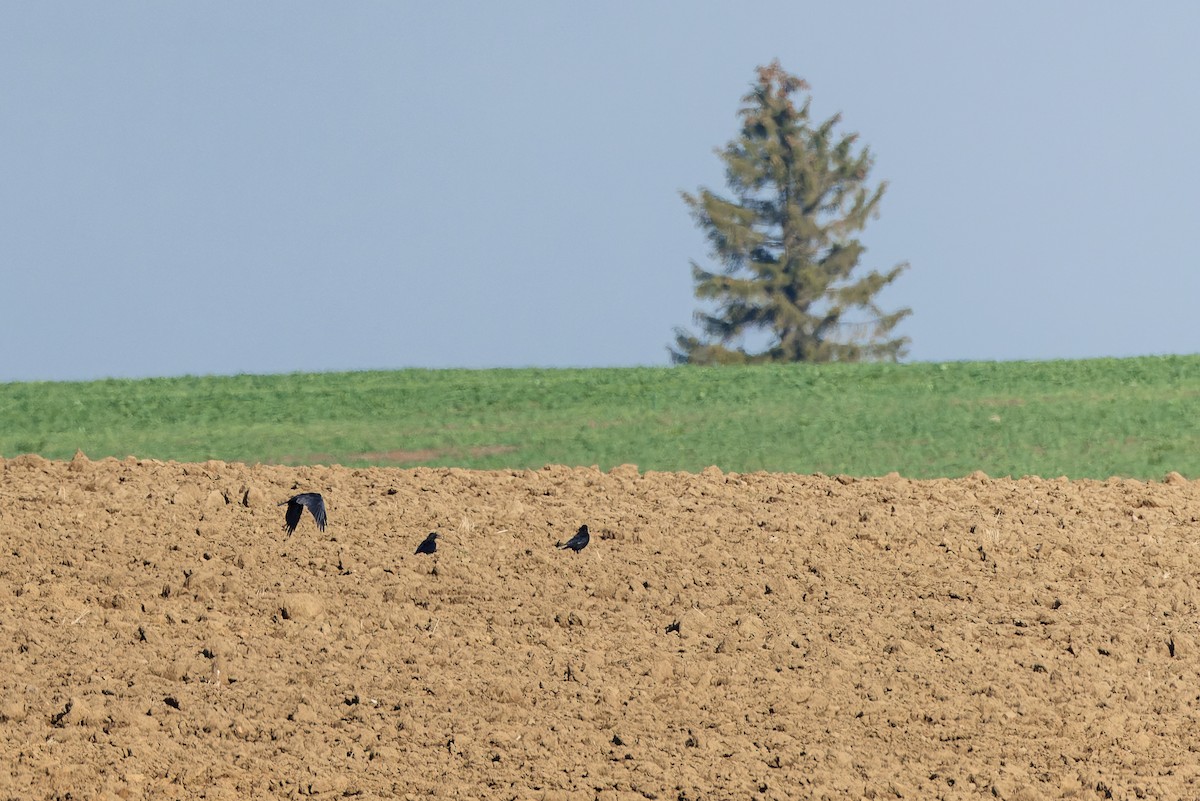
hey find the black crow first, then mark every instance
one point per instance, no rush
(296, 506)
(578, 542)
(429, 545)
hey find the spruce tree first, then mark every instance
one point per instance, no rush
(786, 241)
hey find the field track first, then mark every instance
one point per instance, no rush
(723, 636)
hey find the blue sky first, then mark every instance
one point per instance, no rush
(263, 187)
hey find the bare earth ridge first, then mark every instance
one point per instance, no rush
(723, 636)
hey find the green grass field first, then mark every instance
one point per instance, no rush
(1095, 418)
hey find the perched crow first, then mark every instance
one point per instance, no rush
(429, 545)
(296, 506)
(578, 542)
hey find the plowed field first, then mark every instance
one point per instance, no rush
(723, 636)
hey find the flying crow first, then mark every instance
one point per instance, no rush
(429, 545)
(296, 506)
(578, 542)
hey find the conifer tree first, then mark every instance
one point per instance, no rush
(785, 241)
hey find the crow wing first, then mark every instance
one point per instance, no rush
(291, 518)
(315, 504)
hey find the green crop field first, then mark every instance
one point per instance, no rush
(1095, 418)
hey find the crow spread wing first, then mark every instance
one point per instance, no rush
(291, 518)
(316, 505)
(312, 501)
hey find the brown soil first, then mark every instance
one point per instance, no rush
(723, 636)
